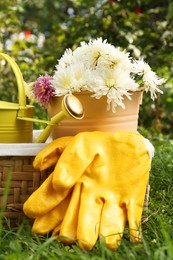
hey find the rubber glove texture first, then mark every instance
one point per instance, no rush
(112, 171)
(107, 174)
(43, 224)
(45, 198)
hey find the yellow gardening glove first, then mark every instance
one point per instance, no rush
(51, 153)
(102, 197)
(110, 172)
(52, 220)
(45, 223)
(45, 198)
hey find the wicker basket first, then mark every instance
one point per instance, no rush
(24, 179)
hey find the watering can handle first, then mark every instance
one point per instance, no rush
(71, 106)
(19, 78)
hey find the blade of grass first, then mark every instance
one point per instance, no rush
(4, 199)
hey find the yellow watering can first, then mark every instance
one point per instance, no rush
(16, 120)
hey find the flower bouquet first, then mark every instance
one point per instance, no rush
(100, 69)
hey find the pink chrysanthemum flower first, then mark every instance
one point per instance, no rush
(43, 90)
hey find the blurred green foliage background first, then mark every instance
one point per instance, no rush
(36, 34)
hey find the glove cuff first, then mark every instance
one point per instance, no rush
(150, 147)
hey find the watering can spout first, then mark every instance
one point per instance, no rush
(71, 107)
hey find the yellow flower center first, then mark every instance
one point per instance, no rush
(110, 83)
(42, 90)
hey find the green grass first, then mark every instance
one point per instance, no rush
(157, 231)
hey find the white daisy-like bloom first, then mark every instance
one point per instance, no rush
(140, 66)
(62, 81)
(66, 59)
(114, 84)
(29, 90)
(116, 98)
(104, 70)
(150, 80)
(69, 79)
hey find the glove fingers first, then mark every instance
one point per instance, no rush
(73, 162)
(134, 212)
(67, 231)
(51, 153)
(44, 199)
(113, 221)
(45, 223)
(88, 220)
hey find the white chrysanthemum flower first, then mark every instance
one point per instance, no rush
(102, 54)
(150, 80)
(83, 55)
(29, 90)
(116, 98)
(140, 67)
(105, 70)
(62, 80)
(113, 78)
(66, 59)
(70, 79)
(121, 59)
(114, 84)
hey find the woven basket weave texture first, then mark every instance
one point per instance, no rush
(25, 179)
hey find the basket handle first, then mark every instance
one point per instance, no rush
(19, 78)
